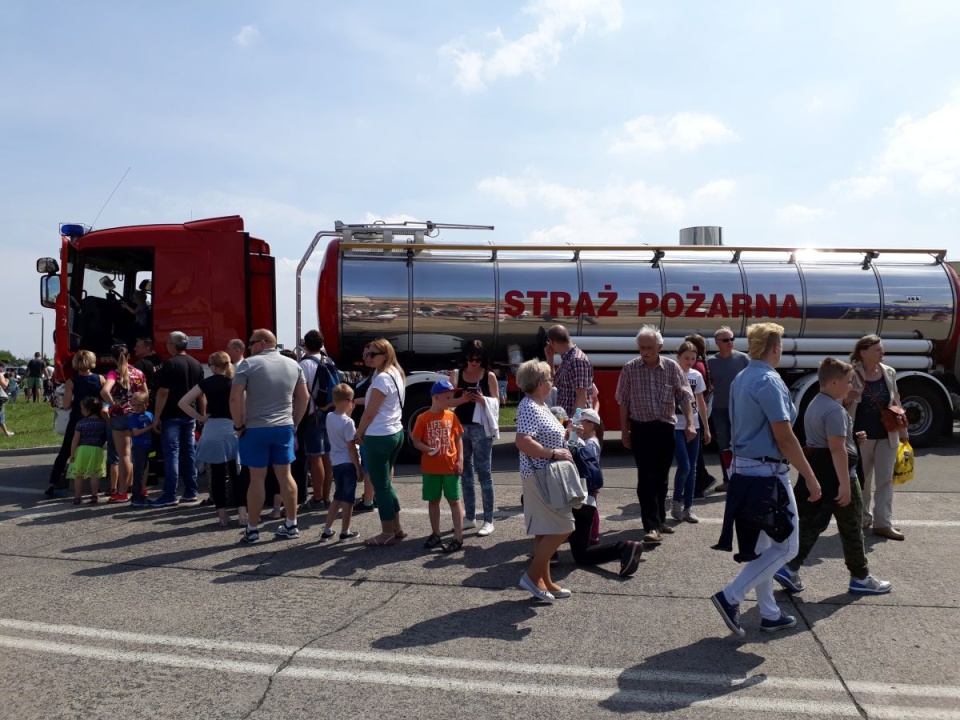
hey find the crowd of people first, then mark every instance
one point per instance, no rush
(271, 423)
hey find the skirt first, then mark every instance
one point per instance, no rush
(539, 516)
(218, 442)
(90, 463)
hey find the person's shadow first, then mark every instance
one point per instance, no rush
(675, 679)
(500, 621)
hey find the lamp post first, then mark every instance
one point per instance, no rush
(42, 335)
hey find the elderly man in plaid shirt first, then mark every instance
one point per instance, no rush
(574, 377)
(650, 390)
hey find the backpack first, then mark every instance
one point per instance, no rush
(588, 465)
(324, 380)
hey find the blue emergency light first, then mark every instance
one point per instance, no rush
(73, 230)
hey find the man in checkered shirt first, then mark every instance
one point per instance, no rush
(650, 391)
(574, 377)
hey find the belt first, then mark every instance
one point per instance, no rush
(769, 459)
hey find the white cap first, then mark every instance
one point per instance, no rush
(591, 415)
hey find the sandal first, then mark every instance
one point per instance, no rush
(452, 546)
(433, 541)
(399, 535)
(376, 541)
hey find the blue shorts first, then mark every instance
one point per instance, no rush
(261, 447)
(345, 483)
(315, 441)
(120, 423)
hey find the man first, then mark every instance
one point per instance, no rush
(574, 377)
(649, 391)
(724, 367)
(176, 378)
(149, 363)
(267, 401)
(321, 377)
(35, 376)
(235, 349)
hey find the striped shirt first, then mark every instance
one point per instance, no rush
(653, 393)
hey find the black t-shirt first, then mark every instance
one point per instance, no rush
(216, 388)
(150, 365)
(35, 368)
(178, 375)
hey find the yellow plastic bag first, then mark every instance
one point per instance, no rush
(903, 470)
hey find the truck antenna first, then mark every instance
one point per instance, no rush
(94, 223)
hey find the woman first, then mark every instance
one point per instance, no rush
(540, 439)
(381, 433)
(704, 479)
(875, 388)
(4, 384)
(476, 381)
(218, 443)
(84, 383)
(763, 443)
(116, 393)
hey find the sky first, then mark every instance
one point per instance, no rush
(789, 124)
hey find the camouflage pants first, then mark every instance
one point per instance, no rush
(814, 518)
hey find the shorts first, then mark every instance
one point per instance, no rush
(345, 483)
(33, 382)
(315, 440)
(434, 485)
(261, 447)
(119, 423)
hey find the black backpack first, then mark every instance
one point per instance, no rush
(325, 379)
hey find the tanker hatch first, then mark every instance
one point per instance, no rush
(702, 235)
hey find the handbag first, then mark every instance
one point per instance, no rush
(893, 418)
(61, 420)
(3, 396)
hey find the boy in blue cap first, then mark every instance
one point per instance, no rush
(437, 434)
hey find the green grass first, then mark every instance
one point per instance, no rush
(32, 425)
(508, 414)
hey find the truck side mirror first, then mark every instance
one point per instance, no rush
(48, 266)
(49, 290)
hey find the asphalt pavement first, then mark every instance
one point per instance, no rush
(111, 612)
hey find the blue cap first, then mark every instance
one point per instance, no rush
(441, 386)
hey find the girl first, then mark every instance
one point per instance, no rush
(87, 458)
(591, 433)
(117, 392)
(685, 452)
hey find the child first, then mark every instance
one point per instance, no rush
(437, 434)
(588, 463)
(833, 457)
(87, 459)
(345, 461)
(686, 453)
(141, 428)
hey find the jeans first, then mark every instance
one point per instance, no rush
(758, 574)
(583, 552)
(179, 453)
(477, 454)
(652, 444)
(685, 481)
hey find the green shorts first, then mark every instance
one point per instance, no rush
(434, 485)
(32, 382)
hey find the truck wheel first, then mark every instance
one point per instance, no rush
(925, 411)
(415, 404)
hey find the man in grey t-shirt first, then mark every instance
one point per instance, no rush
(724, 367)
(267, 401)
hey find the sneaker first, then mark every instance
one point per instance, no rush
(250, 537)
(326, 534)
(61, 493)
(469, 524)
(722, 487)
(667, 529)
(653, 537)
(362, 507)
(676, 510)
(485, 529)
(781, 623)
(162, 502)
(187, 499)
(118, 497)
(10, 433)
(348, 534)
(789, 579)
(869, 586)
(689, 517)
(289, 532)
(630, 558)
(527, 584)
(730, 613)
(140, 502)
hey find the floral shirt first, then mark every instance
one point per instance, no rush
(121, 395)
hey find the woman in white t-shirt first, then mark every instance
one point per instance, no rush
(380, 432)
(685, 453)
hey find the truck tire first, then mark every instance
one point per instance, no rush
(417, 401)
(925, 412)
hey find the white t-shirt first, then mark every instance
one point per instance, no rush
(697, 385)
(340, 432)
(388, 420)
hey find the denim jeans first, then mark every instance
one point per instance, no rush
(685, 481)
(477, 455)
(179, 453)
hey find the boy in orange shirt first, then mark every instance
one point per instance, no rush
(437, 434)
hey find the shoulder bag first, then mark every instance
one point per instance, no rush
(894, 418)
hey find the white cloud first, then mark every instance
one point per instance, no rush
(863, 187)
(685, 131)
(927, 148)
(716, 190)
(798, 214)
(247, 36)
(559, 23)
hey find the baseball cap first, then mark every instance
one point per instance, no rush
(559, 413)
(591, 415)
(441, 386)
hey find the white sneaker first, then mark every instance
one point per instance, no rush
(689, 517)
(485, 529)
(468, 524)
(10, 433)
(676, 510)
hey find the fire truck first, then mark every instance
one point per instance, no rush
(214, 281)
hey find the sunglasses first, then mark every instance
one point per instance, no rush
(724, 340)
(371, 354)
(475, 359)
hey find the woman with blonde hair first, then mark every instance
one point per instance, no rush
(218, 445)
(875, 388)
(116, 393)
(380, 432)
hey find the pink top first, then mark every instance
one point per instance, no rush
(121, 395)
